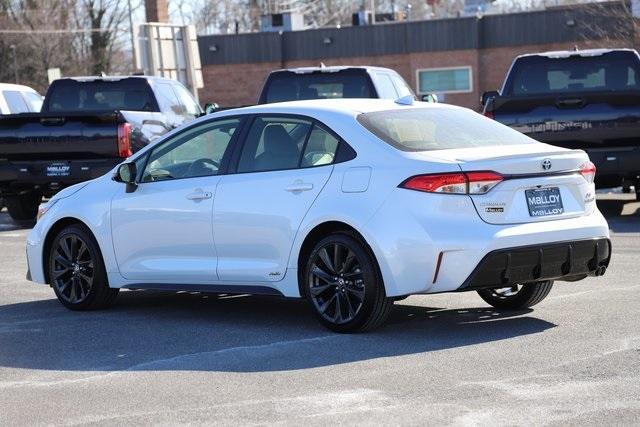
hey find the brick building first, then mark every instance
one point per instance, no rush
(457, 58)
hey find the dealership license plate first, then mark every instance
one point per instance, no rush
(544, 201)
(58, 169)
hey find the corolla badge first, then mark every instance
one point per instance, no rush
(546, 164)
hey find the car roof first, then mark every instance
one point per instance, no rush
(12, 86)
(575, 52)
(346, 106)
(331, 69)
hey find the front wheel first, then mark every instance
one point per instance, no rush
(517, 297)
(76, 271)
(343, 285)
(23, 208)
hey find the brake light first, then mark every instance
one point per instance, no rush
(488, 114)
(124, 140)
(454, 183)
(588, 171)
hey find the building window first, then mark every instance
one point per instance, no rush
(444, 80)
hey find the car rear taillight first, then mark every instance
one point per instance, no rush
(454, 183)
(488, 114)
(588, 171)
(124, 140)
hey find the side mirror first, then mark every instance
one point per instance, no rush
(486, 96)
(210, 107)
(430, 97)
(127, 173)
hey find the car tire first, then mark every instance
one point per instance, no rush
(343, 285)
(523, 297)
(76, 270)
(24, 207)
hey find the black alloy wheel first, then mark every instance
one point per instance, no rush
(517, 297)
(76, 271)
(343, 285)
(336, 283)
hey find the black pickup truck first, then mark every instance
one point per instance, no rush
(86, 126)
(587, 99)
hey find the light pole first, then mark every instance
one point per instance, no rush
(133, 41)
(15, 62)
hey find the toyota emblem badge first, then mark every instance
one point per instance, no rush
(546, 164)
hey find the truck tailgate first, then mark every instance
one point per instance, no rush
(56, 136)
(594, 120)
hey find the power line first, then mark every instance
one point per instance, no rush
(71, 31)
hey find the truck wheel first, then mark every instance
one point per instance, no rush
(24, 207)
(342, 283)
(517, 297)
(76, 271)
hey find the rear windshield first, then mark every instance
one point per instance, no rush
(540, 75)
(92, 96)
(289, 86)
(427, 129)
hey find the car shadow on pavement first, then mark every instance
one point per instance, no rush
(158, 331)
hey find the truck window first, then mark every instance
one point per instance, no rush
(168, 99)
(289, 86)
(541, 75)
(100, 95)
(186, 99)
(385, 86)
(15, 101)
(34, 100)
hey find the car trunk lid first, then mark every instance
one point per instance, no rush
(541, 183)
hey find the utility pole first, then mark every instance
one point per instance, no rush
(15, 62)
(133, 40)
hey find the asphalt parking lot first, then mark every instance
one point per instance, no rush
(166, 358)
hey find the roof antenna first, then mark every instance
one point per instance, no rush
(405, 100)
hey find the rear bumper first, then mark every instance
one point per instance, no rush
(18, 176)
(570, 260)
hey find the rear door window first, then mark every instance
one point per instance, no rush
(320, 149)
(274, 143)
(539, 75)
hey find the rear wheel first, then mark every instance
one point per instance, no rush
(343, 285)
(76, 271)
(517, 297)
(23, 207)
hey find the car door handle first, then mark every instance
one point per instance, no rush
(299, 186)
(199, 195)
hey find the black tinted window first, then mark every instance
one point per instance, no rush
(126, 94)
(289, 86)
(274, 143)
(542, 75)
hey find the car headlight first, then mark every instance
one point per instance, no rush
(44, 208)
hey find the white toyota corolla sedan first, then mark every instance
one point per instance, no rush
(351, 204)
